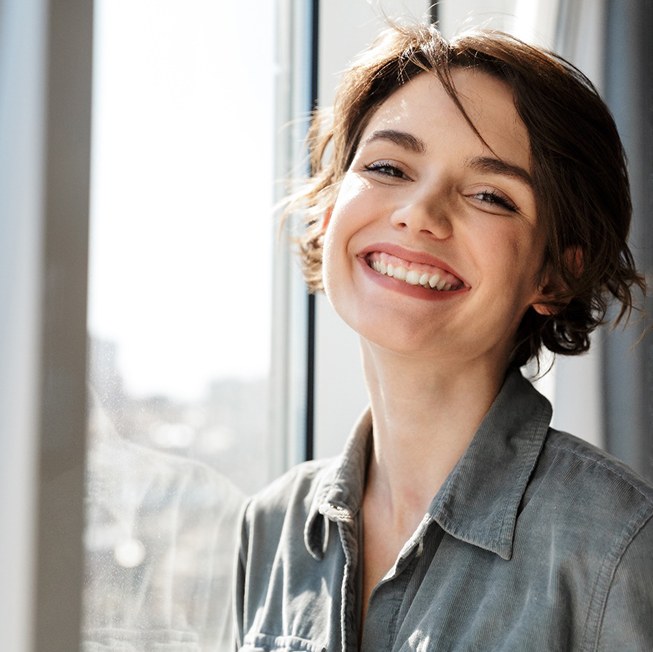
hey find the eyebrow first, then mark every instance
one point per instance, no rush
(401, 138)
(487, 164)
(497, 166)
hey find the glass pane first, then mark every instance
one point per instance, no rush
(179, 314)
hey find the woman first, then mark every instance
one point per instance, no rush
(469, 205)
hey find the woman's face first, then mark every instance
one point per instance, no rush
(433, 244)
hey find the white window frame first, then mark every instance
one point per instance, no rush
(45, 109)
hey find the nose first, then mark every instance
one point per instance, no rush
(424, 213)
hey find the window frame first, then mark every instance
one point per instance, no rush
(45, 120)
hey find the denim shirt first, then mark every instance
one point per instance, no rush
(536, 541)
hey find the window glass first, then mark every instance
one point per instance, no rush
(179, 314)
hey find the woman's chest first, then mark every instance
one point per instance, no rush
(443, 595)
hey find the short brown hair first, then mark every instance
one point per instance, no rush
(579, 168)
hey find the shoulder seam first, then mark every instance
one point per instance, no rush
(612, 469)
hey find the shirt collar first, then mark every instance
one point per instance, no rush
(479, 501)
(340, 494)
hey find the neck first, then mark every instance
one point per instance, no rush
(425, 415)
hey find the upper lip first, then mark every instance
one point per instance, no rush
(420, 257)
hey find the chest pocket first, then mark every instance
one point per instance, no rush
(268, 643)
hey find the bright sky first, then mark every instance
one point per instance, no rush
(182, 190)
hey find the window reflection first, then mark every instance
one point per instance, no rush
(179, 316)
(160, 543)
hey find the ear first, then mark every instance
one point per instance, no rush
(553, 285)
(548, 288)
(545, 309)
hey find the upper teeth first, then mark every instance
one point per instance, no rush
(411, 276)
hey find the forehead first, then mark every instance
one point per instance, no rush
(423, 106)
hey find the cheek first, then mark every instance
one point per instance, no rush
(512, 256)
(351, 191)
(342, 220)
(332, 256)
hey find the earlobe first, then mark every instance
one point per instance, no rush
(554, 285)
(544, 301)
(545, 292)
(544, 309)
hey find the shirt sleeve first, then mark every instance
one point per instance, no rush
(628, 616)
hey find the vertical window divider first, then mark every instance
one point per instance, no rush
(311, 318)
(62, 413)
(293, 318)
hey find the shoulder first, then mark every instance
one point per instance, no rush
(590, 518)
(601, 477)
(625, 613)
(612, 507)
(301, 481)
(290, 496)
(596, 500)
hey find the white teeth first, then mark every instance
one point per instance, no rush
(411, 276)
(400, 273)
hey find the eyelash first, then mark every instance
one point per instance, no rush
(496, 199)
(387, 168)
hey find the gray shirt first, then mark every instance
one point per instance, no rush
(536, 541)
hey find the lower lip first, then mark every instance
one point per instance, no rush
(416, 291)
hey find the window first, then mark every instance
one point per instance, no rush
(179, 434)
(182, 233)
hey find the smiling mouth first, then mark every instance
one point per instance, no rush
(427, 276)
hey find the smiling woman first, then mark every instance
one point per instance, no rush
(408, 196)
(173, 82)
(472, 209)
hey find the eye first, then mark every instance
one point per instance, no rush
(495, 199)
(386, 168)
